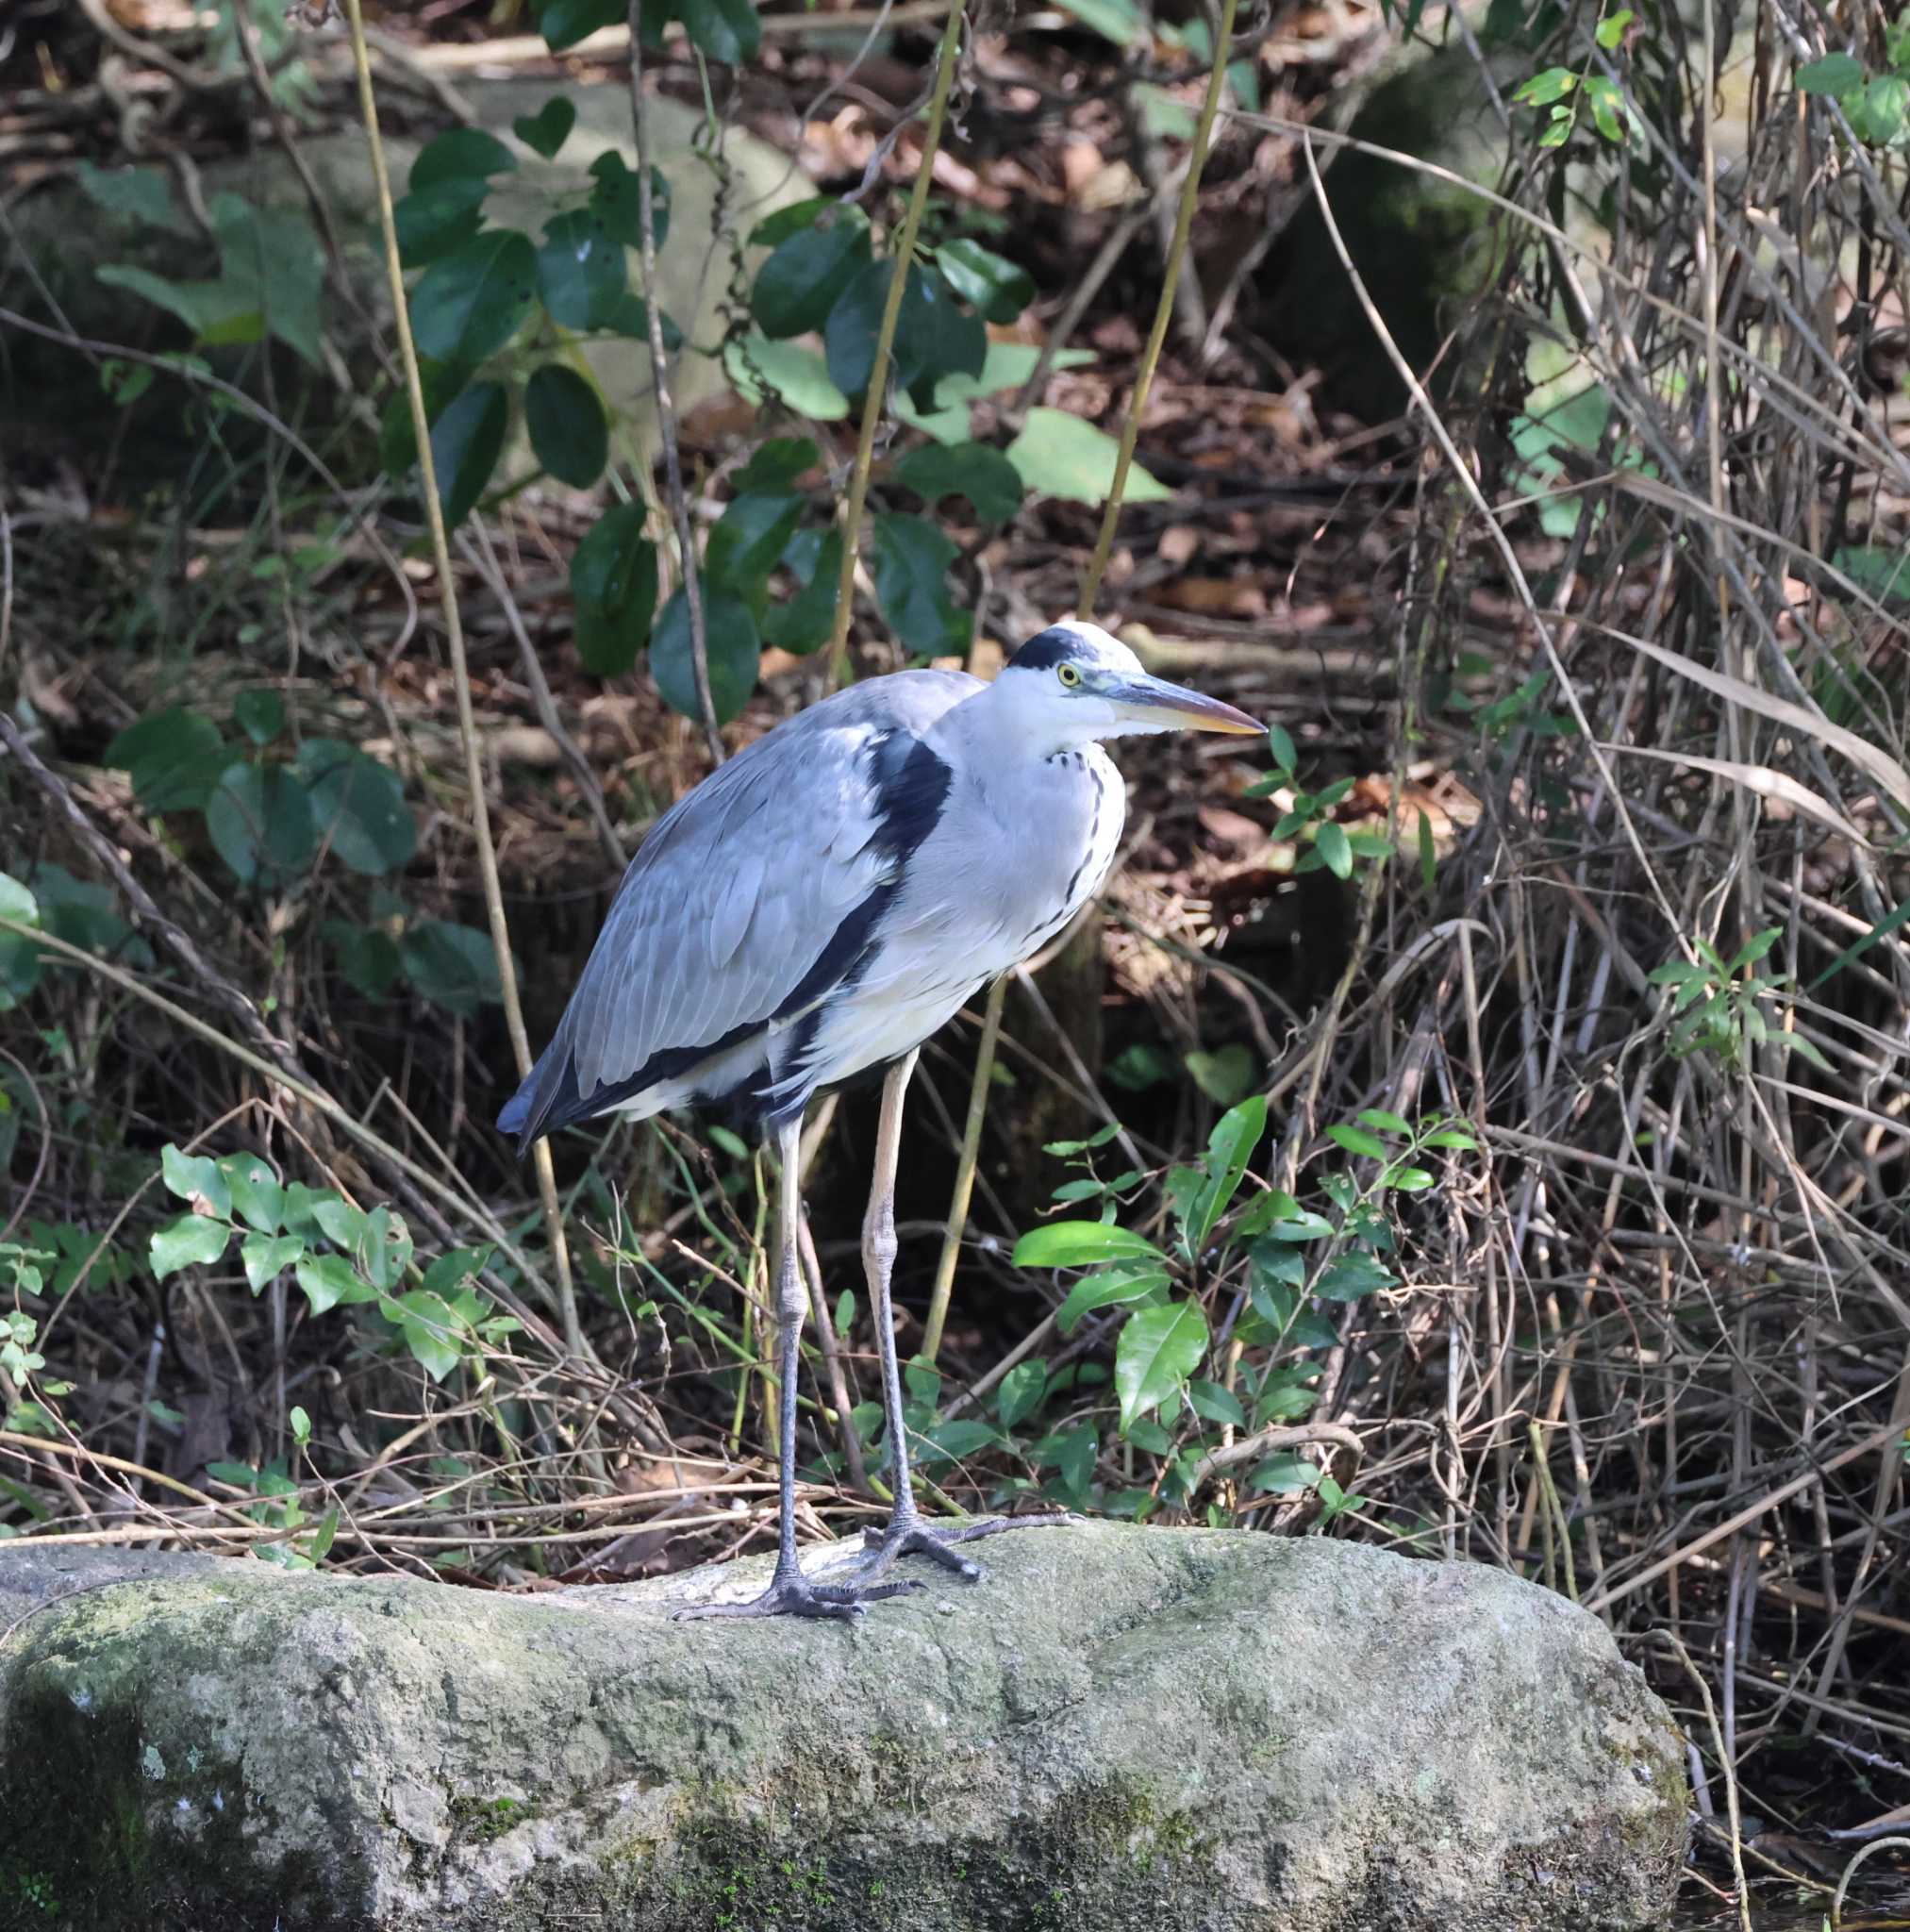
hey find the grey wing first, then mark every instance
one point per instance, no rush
(747, 903)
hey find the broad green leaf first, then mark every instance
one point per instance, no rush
(911, 561)
(1349, 1276)
(466, 441)
(431, 221)
(726, 30)
(1381, 1122)
(617, 200)
(1230, 1147)
(18, 957)
(1059, 455)
(144, 193)
(257, 1197)
(1835, 75)
(1080, 1244)
(806, 622)
(808, 270)
(613, 579)
(176, 757)
(330, 1279)
(260, 714)
(983, 476)
(933, 338)
(1226, 1077)
(455, 1269)
(1356, 1140)
(260, 822)
(337, 1220)
(778, 463)
(1121, 1286)
(564, 23)
(1285, 1476)
(1882, 570)
(265, 1258)
(431, 1332)
(194, 1179)
(546, 131)
(798, 376)
(358, 805)
(451, 966)
(272, 261)
(1159, 1348)
(1214, 1403)
(385, 1252)
(366, 955)
(1331, 842)
(1551, 84)
(749, 538)
(1021, 1392)
(1406, 1180)
(732, 646)
(469, 302)
(583, 272)
(462, 154)
(193, 1239)
(1119, 21)
(998, 289)
(949, 1442)
(569, 434)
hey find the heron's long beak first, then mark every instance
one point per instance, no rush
(1165, 706)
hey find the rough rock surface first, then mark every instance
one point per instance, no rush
(1174, 1730)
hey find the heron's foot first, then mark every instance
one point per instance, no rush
(791, 1595)
(909, 1536)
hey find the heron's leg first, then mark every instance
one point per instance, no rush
(905, 1534)
(791, 1593)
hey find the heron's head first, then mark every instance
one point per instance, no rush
(1074, 683)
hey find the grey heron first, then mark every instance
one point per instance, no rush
(820, 906)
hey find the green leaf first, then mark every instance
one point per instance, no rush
(1159, 1348)
(806, 622)
(1214, 1403)
(18, 957)
(195, 1179)
(456, 1268)
(272, 264)
(1285, 1476)
(617, 200)
(546, 131)
(463, 154)
(845, 1314)
(257, 1197)
(984, 281)
(613, 579)
(451, 966)
(367, 956)
(1230, 1147)
(176, 757)
(261, 823)
(193, 1239)
(301, 1425)
(144, 195)
(1551, 84)
(732, 646)
(358, 805)
(1059, 455)
(1381, 1122)
(1280, 745)
(912, 561)
(748, 539)
(1349, 1276)
(1119, 21)
(564, 23)
(1611, 30)
(726, 30)
(569, 433)
(778, 463)
(1225, 1076)
(1429, 856)
(795, 375)
(431, 221)
(797, 287)
(1356, 1141)
(466, 441)
(983, 476)
(265, 1258)
(431, 1332)
(1835, 75)
(1331, 843)
(330, 1279)
(469, 302)
(1080, 1243)
(1122, 1284)
(933, 338)
(1021, 1393)
(260, 714)
(583, 272)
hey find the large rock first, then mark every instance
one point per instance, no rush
(1175, 1729)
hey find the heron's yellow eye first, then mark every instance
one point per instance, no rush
(1068, 674)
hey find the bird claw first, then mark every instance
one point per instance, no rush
(910, 1537)
(796, 1597)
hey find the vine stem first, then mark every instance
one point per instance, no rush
(1164, 309)
(885, 341)
(991, 1014)
(666, 413)
(460, 672)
